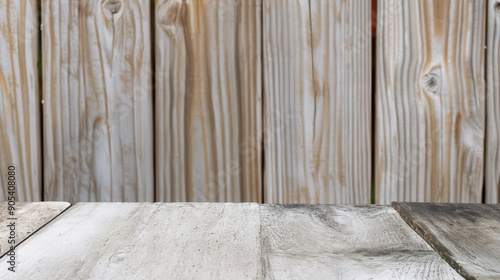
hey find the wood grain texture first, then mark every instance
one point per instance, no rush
(30, 216)
(492, 149)
(98, 112)
(345, 242)
(20, 141)
(430, 110)
(317, 101)
(208, 100)
(134, 241)
(466, 235)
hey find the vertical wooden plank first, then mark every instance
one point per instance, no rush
(430, 120)
(208, 100)
(317, 70)
(20, 99)
(492, 168)
(98, 119)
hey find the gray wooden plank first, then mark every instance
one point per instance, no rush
(345, 242)
(467, 236)
(145, 241)
(30, 216)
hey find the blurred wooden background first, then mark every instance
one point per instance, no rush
(273, 101)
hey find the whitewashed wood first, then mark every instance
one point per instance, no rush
(30, 216)
(345, 242)
(145, 241)
(208, 100)
(466, 235)
(98, 112)
(430, 111)
(492, 149)
(20, 141)
(317, 81)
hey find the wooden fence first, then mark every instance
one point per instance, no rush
(274, 101)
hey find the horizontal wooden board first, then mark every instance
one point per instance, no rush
(208, 100)
(345, 242)
(20, 141)
(29, 217)
(97, 91)
(466, 235)
(144, 241)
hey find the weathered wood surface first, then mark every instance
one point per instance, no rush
(20, 142)
(492, 149)
(98, 112)
(145, 241)
(30, 216)
(345, 242)
(208, 100)
(317, 96)
(467, 236)
(430, 101)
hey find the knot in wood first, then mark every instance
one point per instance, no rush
(496, 8)
(167, 13)
(432, 82)
(112, 6)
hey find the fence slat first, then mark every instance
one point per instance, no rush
(208, 100)
(317, 80)
(98, 119)
(492, 149)
(430, 101)
(20, 141)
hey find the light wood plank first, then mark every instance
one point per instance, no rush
(317, 70)
(492, 149)
(145, 241)
(345, 242)
(466, 235)
(29, 217)
(208, 100)
(430, 111)
(20, 141)
(98, 119)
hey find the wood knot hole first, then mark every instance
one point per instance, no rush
(112, 6)
(432, 82)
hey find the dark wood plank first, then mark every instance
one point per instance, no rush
(345, 242)
(467, 236)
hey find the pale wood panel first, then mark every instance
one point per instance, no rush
(30, 217)
(467, 236)
(98, 119)
(492, 149)
(345, 242)
(430, 119)
(134, 241)
(20, 141)
(317, 101)
(208, 100)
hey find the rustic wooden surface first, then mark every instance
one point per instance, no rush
(208, 100)
(492, 148)
(317, 96)
(98, 114)
(145, 241)
(20, 99)
(30, 216)
(467, 236)
(345, 242)
(430, 101)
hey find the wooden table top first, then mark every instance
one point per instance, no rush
(251, 241)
